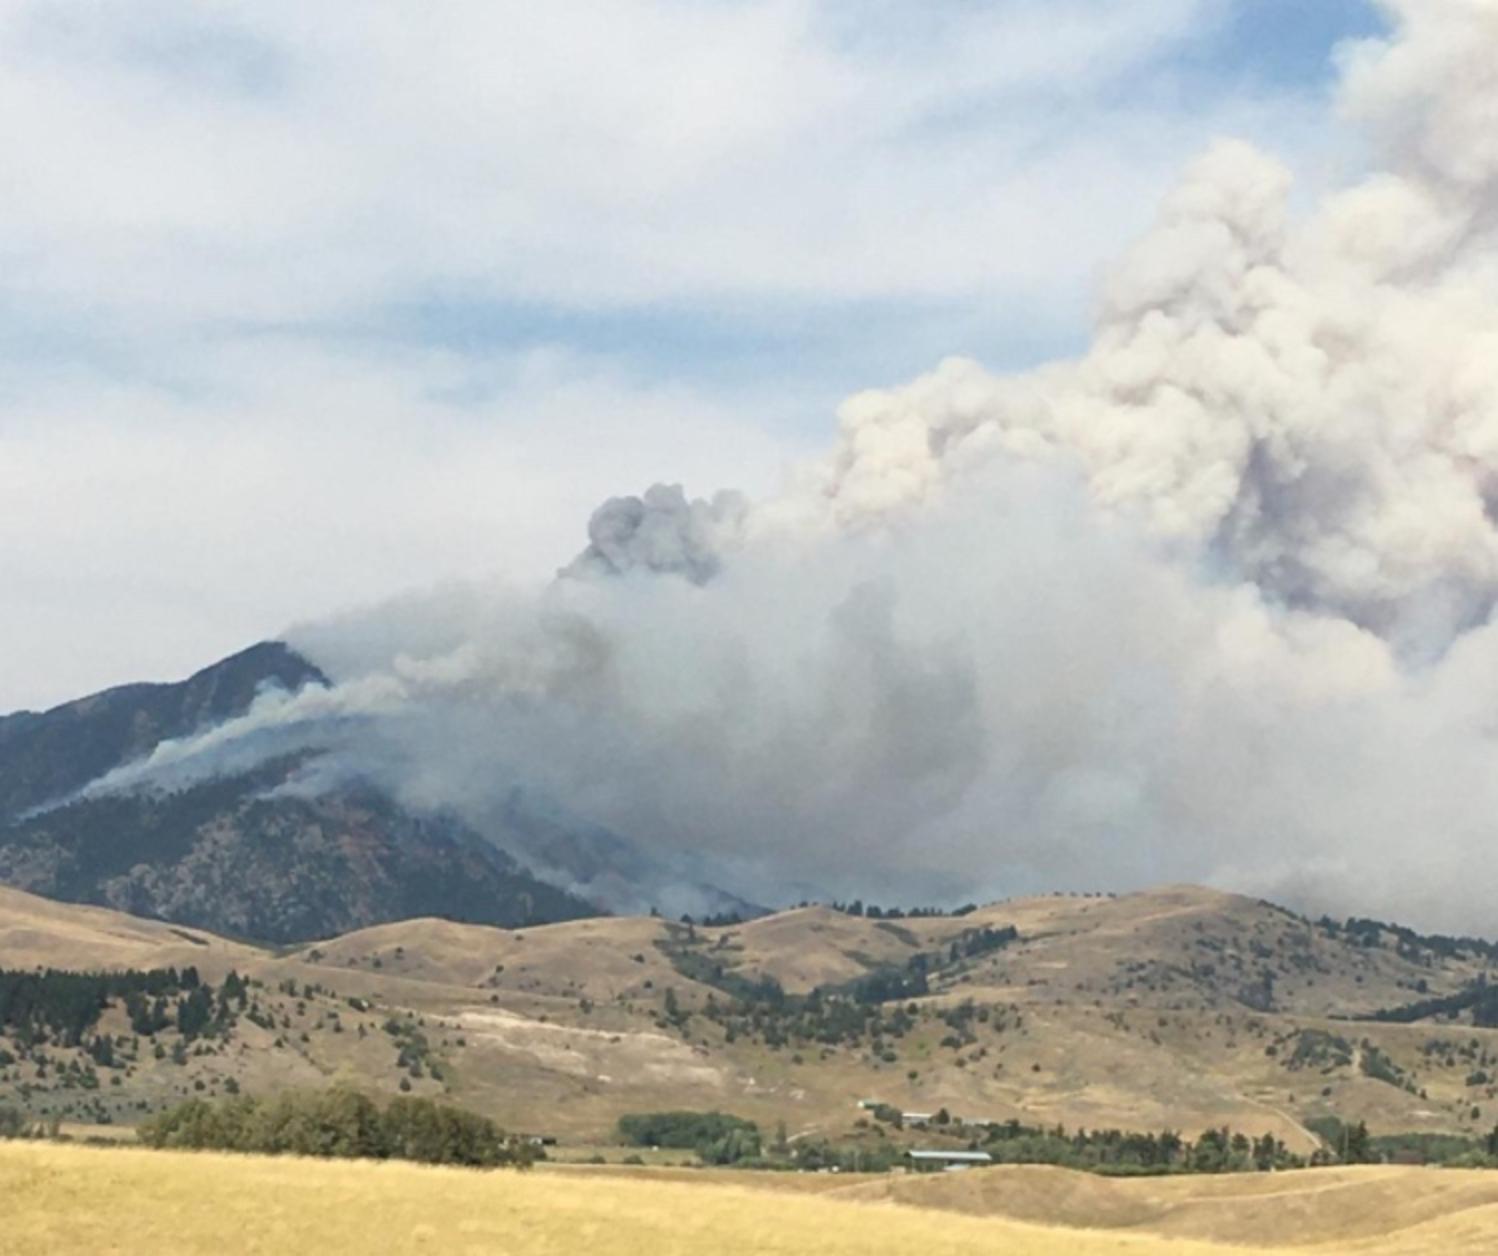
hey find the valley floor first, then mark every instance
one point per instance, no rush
(63, 1199)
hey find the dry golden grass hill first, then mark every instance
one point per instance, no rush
(1180, 947)
(1345, 1207)
(602, 959)
(1179, 1008)
(130, 1202)
(37, 932)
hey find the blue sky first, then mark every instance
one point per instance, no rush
(1291, 41)
(303, 305)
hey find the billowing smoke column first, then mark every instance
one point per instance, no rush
(1212, 603)
(661, 532)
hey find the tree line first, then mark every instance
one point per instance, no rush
(1479, 998)
(1123, 1152)
(1361, 931)
(340, 1123)
(871, 911)
(722, 1139)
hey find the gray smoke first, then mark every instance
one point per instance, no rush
(661, 532)
(1211, 603)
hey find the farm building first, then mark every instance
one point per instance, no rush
(933, 1161)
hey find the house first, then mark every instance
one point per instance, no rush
(917, 1119)
(947, 1161)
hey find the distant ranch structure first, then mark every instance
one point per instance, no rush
(948, 1161)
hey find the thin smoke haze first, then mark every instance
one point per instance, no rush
(1211, 603)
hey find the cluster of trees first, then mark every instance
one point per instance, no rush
(340, 1123)
(888, 984)
(1361, 931)
(975, 942)
(688, 956)
(413, 1050)
(716, 1137)
(54, 1004)
(1130, 1152)
(1312, 1048)
(962, 1017)
(871, 912)
(760, 1009)
(813, 1155)
(721, 1139)
(1346, 1142)
(201, 1011)
(870, 1011)
(1375, 1063)
(1349, 1142)
(1479, 998)
(816, 1019)
(1422, 1148)
(1111, 1151)
(1325, 1052)
(851, 1013)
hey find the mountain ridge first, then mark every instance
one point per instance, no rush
(241, 853)
(46, 756)
(270, 847)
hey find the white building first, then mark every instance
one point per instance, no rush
(947, 1160)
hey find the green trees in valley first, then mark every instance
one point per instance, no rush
(339, 1123)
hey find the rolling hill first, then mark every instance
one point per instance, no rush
(1142, 1012)
(145, 1202)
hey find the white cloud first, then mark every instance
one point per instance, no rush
(199, 202)
(576, 153)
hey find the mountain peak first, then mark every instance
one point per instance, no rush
(49, 755)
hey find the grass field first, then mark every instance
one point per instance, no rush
(62, 1199)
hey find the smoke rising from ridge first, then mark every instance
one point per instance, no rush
(1211, 603)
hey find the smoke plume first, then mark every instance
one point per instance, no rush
(1214, 602)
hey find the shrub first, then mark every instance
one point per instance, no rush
(12, 1122)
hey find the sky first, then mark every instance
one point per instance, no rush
(302, 305)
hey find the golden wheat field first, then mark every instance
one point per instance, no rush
(61, 1199)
